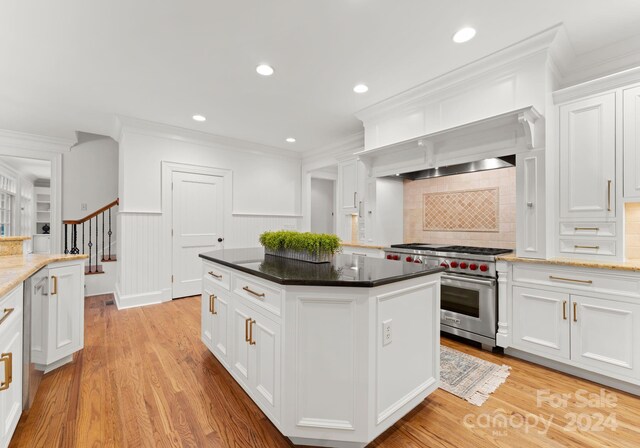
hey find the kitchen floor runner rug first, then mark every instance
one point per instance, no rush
(470, 378)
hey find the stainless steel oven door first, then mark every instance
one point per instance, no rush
(469, 304)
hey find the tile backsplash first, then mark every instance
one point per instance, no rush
(471, 209)
(632, 230)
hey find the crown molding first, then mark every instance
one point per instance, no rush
(34, 142)
(331, 154)
(125, 125)
(598, 85)
(540, 42)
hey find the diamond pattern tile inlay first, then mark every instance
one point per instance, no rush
(458, 211)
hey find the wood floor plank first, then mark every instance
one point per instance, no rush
(144, 379)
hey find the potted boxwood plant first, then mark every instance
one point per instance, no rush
(312, 247)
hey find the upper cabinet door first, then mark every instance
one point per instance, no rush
(349, 185)
(631, 142)
(65, 312)
(587, 158)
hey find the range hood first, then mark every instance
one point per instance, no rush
(462, 168)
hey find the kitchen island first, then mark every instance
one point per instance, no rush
(332, 353)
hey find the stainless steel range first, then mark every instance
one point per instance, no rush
(469, 296)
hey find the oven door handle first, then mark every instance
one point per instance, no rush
(469, 280)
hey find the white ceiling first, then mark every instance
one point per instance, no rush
(72, 65)
(30, 168)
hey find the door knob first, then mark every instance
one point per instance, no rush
(220, 240)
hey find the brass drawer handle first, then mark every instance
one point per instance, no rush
(251, 341)
(587, 228)
(219, 277)
(212, 304)
(563, 279)
(250, 291)
(575, 311)
(577, 246)
(7, 358)
(55, 285)
(564, 310)
(608, 195)
(246, 329)
(7, 313)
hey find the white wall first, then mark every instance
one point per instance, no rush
(265, 196)
(89, 175)
(322, 205)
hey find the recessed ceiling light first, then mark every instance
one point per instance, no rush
(264, 70)
(361, 88)
(199, 118)
(464, 35)
(291, 140)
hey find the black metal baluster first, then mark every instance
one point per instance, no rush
(109, 233)
(103, 237)
(83, 238)
(66, 245)
(97, 241)
(90, 245)
(74, 238)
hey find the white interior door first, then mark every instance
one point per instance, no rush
(198, 212)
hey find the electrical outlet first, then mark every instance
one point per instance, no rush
(386, 332)
(83, 207)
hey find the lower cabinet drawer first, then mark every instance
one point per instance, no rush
(218, 275)
(11, 306)
(577, 279)
(588, 229)
(259, 293)
(587, 246)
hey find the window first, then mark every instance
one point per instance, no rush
(7, 199)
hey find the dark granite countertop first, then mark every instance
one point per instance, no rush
(343, 270)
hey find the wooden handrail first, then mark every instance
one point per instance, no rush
(94, 214)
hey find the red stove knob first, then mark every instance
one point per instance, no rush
(417, 260)
(444, 264)
(463, 265)
(396, 257)
(484, 267)
(473, 266)
(454, 264)
(389, 257)
(409, 259)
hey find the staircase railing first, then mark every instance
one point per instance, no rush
(92, 221)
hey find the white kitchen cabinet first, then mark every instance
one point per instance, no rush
(631, 142)
(256, 356)
(215, 328)
(540, 321)
(61, 317)
(587, 158)
(531, 208)
(605, 335)
(10, 364)
(348, 175)
(585, 318)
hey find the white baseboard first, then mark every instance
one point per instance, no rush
(143, 299)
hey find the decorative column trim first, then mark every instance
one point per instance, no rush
(503, 337)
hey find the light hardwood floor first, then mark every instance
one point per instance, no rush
(145, 379)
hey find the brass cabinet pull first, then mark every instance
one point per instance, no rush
(608, 195)
(219, 277)
(251, 341)
(7, 358)
(575, 311)
(250, 291)
(246, 329)
(212, 304)
(55, 285)
(563, 279)
(587, 228)
(564, 310)
(7, 313)
(355, 199)
(577, 246)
